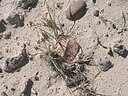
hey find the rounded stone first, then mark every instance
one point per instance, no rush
(76, 10)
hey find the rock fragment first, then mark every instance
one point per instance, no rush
(28, 87)
(110, 51)
(16, 20)
(2, 26)
(14, 63)
(76, 10)
(119, 48)
(105, 64)
(25, 4)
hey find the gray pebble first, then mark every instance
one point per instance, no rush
(16, 20)
(119, 49)
(2, 27)
(105, 64)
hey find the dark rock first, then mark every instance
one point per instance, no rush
(114, 26)
(120, 49)
(28, 87)
(59, 5)
(16, 20)
(96, 13)
(110, 52)
(14, 63)
(36, 78)
(2, 27)
(25, 4)
(3, 94)
(105, 64)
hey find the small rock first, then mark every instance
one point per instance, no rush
(110, 52)
(76, 10)
(105, 64)
(27, 87)
(119, 48)
(25, 4)
(113, 26)
(13, 89)
(16, 20)
(96, 13)
(14, 63)
(7, 35)
(59, 5)
(2, 27)
(3, 94)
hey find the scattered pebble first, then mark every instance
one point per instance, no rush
(3, 94)
(119, 48)
(113, 26)
(105, 64)
(110, 51)
(76, 10)
(13, 89)
(16, 20)
(96, 13)
(27, 87)
(25, 4)
(2, 27)
(59, 5)
(14, 63)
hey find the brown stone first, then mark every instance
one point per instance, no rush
(76, 10)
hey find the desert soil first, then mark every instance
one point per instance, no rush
(46, 82)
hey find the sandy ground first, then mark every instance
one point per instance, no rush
(113, 82)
